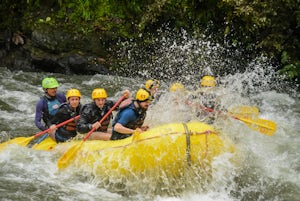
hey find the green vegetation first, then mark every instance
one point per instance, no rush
(270, 27)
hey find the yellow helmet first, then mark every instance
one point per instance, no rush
(73, 92)
(208, 81)
(143, 95)
(152, 84)
(176, 87)
(99, 93)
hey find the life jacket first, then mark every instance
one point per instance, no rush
(141, 114)
(66, 113)
(95, 114)
(208, 99)
(51, 106)
(71, 126)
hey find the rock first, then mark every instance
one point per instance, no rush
(52, 50)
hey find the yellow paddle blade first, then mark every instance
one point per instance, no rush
(47, 144)
(68, 156)
(22, 141)
(245, 111)
(261, 125)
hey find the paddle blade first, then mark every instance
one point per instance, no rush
(68, 156)
(22, 141)
(263, 126)
(244, 111)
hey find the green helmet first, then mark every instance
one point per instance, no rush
(49, 83)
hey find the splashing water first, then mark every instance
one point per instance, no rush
(174, 56)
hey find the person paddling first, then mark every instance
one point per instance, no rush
(66, 111)
(92, 112)
(48, 104)
(206, 97)
(131, 117)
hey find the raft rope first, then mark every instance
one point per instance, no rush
(188, 143)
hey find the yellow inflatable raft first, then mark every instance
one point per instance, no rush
(166, 149)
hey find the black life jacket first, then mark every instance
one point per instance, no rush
(94, 114)
(65, 112)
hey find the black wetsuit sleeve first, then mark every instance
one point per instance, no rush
(84, 122)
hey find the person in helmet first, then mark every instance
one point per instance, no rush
(66, 111)
(206, 99)
(207, 91)
(48, 104)
(93, 112)
(132, 116)
(208, 81)
(152, 86)
(178, 93)
(177, 86)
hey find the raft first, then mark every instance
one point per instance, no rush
(166, 149)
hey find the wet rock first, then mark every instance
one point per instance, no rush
(50, 50)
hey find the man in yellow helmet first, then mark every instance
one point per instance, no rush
(206, 98)
(131, 117)
(177, 86)
(207, 91)
(93, 112)
(66, 111)
(152, 86)
(208, 81)
(177, 92)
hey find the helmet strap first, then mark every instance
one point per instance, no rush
(138, 102)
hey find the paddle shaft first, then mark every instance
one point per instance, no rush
(104, 117)
(261, 125)
(219, 112)
(57, 126)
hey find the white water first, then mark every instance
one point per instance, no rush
(264, 168)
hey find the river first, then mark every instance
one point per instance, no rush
(267, 167)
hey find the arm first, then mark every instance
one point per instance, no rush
(126, 102)
(84, 125)
(126, 116)
(122, 129)
(39, 115)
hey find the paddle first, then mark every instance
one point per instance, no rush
(24, 141)
(263, 126)
(69, 155)
(244, 111)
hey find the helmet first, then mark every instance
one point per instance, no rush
(176, 87)
(208, 81)
(99, 93)
(152, 84)
(143, 95)
(49, 83)
(73, 92)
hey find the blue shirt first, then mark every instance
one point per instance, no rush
(126, 116)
